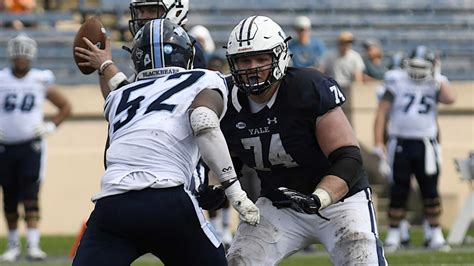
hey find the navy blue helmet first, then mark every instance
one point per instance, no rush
(161, 44)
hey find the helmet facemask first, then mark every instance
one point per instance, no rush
(254, 36)
(136, 23)
(420, 65)
(22, 46)
(418, 69)
(247, 80)
(174, 10)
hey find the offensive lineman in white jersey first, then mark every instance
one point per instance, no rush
(410, 106)
(23, 91)
(158, 127)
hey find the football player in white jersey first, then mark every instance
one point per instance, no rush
(410, 105)
(159, 126)
(23, 91)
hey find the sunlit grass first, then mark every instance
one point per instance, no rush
(58, 248)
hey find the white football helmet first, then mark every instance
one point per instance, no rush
(420, 65)
(174, 10)
(22, 46)
(253, 36)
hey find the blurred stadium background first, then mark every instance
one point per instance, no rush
(75, 152)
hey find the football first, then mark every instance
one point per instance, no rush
(93, 30)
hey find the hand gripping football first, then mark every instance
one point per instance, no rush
(93, 30)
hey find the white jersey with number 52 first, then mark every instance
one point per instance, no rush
(149, 131)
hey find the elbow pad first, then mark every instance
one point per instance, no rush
(211, 143)
(202, 119)
(346, 163)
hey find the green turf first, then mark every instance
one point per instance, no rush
(53, 245)
(58, 248)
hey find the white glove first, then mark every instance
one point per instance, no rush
(384, 167)
(385, 170)
(44, 128)
(249, 213)
(379, 152)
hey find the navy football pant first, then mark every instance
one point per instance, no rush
(410, 160)
(163, 222)
(20, 172)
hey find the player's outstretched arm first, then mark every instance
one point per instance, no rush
(204, 119)
(110, 76)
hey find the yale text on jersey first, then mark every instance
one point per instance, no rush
(260, 130)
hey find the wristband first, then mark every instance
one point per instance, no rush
(115, 81)
(104, 65)
(324, 197)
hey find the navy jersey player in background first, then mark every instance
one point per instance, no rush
(410, 105)
(159, 126)
(288, 125)
(23, 91)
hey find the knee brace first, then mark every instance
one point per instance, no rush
(432, 207)
(31, 210)
(396, 215)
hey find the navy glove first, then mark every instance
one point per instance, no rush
(211, 198)
(309, 204)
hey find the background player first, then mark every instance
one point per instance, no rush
(287, 124)
(157, 124)
(23, 91)
(410, 105)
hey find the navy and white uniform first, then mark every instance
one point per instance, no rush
(279, 142)
(144, 193)
(412, 134)
(22, 153)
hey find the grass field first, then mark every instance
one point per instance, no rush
(58, 248)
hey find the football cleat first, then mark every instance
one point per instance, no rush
(405, 233)
(426, 232)
(392, 241)
(11, 254)
(35, 253)
(437, 241)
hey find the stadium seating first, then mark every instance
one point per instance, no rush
(117, 8)
(48, 18)
(444, 25)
